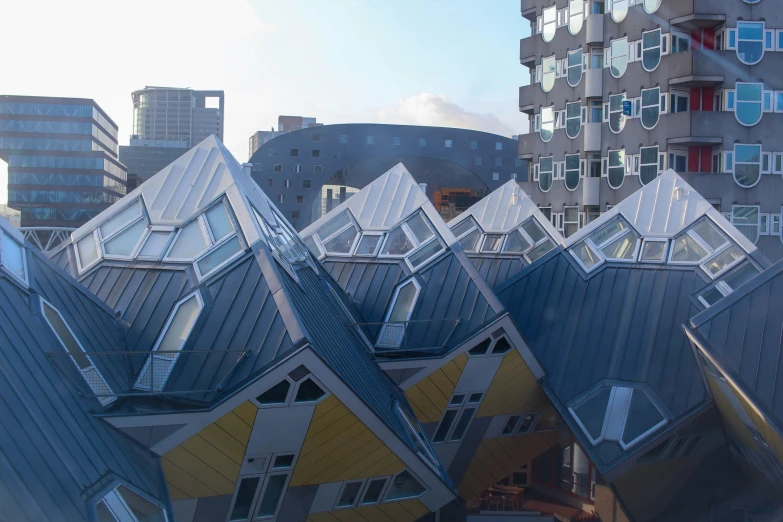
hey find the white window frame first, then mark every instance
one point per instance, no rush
(118, 507)
(654, 240)
(609, 112)
(578, 117)
(566, 208)
(734, 162)
(596, 248)
(658, 46)
(139, 242)
(580, 170)
(424, 449)
(576, 17)
(377, 246)
(548, 25)
(737, 102)
(351, 223)
(104, 400)
(579, 66)
(656, 104)
(459, 408)
(552, 173)
(153, 388)
(711, 252)
(265, 475)
(621, 44)
(610, 8)
(516, 425)
(739, 40)
(390, 309)
(657, 162)
(758, 225)
(674, 95)
(623, 164)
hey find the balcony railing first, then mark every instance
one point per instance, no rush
(406, 338)
(125, 374)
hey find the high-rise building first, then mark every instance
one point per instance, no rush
(167, 122)
(284, 124)
(621, 90)
(62, 160)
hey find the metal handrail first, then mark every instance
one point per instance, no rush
(403, 338)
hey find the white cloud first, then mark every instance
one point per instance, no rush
(436, 110)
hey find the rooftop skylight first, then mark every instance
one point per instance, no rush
(528, 239)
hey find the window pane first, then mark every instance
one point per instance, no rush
(510, 423)
(209, 262)
(712, 296)
(608, 231)
(349, 494)
(219, 222)
(654, 251)
(404, 303)
(687, 250)
(592, 410)
(502, 346)
(480, 348)
(277, 394)
(445, 425)
(104, 515)
(728, 257)
(189, 243)
(397, 243)
(540, 250)
(515, 243)
(470, 241)
(404, 486)
(492, 243)
(425, 253)
(533, 230)
(88, 250)
(462, 424)
(586, 255)
(526, 423)
(272, 495)
(333, 226)
(283, 461)
(642, 416)
(65, 336)
(741, 276)
(374, 490)
(624, 247)
(143, 509)
(308, 391)
(125, 242)
(368, 245)
(154, 245)
(13, 256)
(342, 243)
(120, 220)
(463, 226)
(179, 328)
(420, 228)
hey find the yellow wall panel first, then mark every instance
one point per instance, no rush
(207, 464)
(514, 389)
(430, 396)
(499, 457)
(649, 488)
(338, 446)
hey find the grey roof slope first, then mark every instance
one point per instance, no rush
(54, 454)
(743, 332)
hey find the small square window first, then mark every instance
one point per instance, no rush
(287, 183)
(316, 153)
(278, 167)
(273, 152)
(317, 169)
(498, 145)
(498, 162)
(478, 161)
(316, 137)
(396, 140)
(448, 144)
(297, 168)
(306, 183)
(280, 198)
(270, 182)
(422, 142)
(343, 138)
(496, 176)
(474, 145)
(294, 214)
(370, 140)
(294, 152)
(299, 200)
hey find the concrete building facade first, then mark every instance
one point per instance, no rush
(621, 90)
(284, 124)
(167, 122)
(62, 160)
(310, 171)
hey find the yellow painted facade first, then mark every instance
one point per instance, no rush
(407, 511)
(514, 389)
(430, 396)
(649, 488)
(339, 446)
(207, 464)
(498, 457)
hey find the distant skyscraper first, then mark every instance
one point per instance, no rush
(167, 122)
(62, 160)
(284, 124)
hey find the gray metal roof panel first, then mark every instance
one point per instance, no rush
(743, 333)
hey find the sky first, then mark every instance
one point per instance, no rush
(426, 62)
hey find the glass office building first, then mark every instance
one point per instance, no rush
(63, 168)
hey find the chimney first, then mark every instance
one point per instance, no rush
(247, 168)
(423, 187)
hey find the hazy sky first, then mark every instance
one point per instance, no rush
(428, 62)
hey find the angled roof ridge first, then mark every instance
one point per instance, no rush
(663, 208)
(504, 209)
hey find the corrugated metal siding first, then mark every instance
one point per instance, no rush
(623, 323)
(746, 338)
(64, 449)
(496, 271)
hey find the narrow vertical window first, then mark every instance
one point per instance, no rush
(547, 123)
(651, 6)
(545, 169)
(745, 218)
(549, 16)
(747, 165)
(750, 42)
(648, 168)
(616, 174)
(161, 362)
(393, 331)
(574, 73)
(651, 50)
(575, 16)
(572, 165)
(548, 73)
(80, 359)
(573, 119)
(651, 107)
(748, 109)
(616, 117)
(619, 10)
(618, 61)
